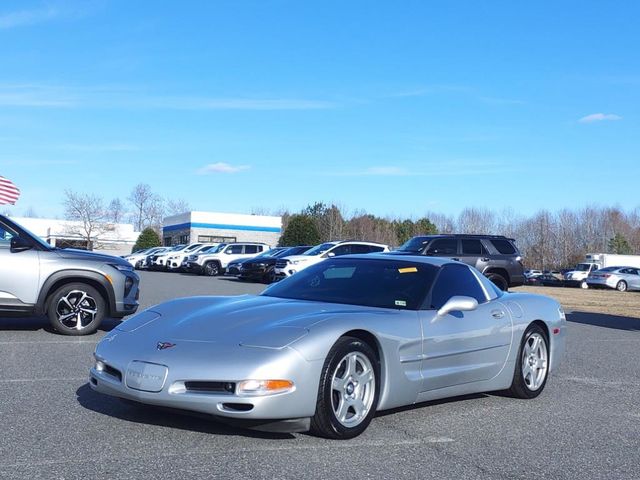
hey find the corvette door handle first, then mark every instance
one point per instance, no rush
(497, 314)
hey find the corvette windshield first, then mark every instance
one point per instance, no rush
(368, 282)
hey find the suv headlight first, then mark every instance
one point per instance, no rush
(122, 268)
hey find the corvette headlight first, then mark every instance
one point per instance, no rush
(99, 366)
(122, 268)
(259, 388)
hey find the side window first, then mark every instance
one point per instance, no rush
(443, 246)
(5, 237)
(251, 249)
(473, 246)
(503, 246)
(375, 248)
(455, 280)
(341, 250)
(234, 249)
(358, 248)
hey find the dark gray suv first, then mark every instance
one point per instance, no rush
(76, 289)
(494, 255)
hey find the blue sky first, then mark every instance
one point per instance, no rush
(396, 108)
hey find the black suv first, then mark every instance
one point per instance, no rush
(494, 255)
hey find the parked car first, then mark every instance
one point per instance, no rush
(532, 273)
(146, 261)
(496, 256)
(620, 278)
(327, 348)
(76, 289)
(194, 255)
(597, 261)
(158, 260)
(137, 258)
(287, 266)
(175, 259)
(234, 268)
(262, 267)
(215, 262)
(550, 280)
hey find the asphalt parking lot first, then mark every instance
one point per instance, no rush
(585, 425)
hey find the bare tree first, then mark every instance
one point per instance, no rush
(176, 207)
(115, 211)
(141, 199)
(88, 210)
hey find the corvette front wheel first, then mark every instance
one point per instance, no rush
(532, 366)
(349, 390)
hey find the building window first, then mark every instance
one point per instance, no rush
(184, 239)
(214, 239)
(167, 241)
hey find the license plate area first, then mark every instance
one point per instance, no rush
(145, 376)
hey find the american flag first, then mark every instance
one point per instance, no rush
(9, 193)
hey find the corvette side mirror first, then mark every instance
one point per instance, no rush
(458, 303)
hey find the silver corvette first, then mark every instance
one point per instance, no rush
(327, 348)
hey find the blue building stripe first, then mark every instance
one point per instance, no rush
(221, 226)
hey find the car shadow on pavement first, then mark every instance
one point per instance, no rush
(164, 417)
(431, 403)
(42, 323)
(604, 320)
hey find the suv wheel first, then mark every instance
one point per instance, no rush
(76, 309)
(498, 280)
(211, 269)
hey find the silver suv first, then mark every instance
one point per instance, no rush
(76, 289)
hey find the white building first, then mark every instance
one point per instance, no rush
(213, 227)
(114, 239)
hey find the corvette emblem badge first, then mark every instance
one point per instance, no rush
(165, 345)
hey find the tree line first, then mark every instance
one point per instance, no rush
(143, 208)
(547, 240)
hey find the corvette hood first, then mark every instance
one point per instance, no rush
(248, 320)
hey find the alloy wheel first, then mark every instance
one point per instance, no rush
(76, 309)
(352, 389)
(534, 361)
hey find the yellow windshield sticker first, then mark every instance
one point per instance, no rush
(408, 270)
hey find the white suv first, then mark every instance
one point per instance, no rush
(215, 262)
(175, 259)
(287, 266)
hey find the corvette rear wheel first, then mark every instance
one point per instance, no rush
(532, 367)
(348, 392)
(76, 309)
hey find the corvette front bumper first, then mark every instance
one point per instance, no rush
(168, 385)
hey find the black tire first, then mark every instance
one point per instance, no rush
(622, 286)
(269, 276)
(325, 423)
(499, 281)
(519, 386)
(211, 269)
(64, 314)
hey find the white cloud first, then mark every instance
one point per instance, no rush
(455, 168)
(599, 117)
(222, 167)
(27, 17)
(35, 95)
(90, 148)
(388, 171)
